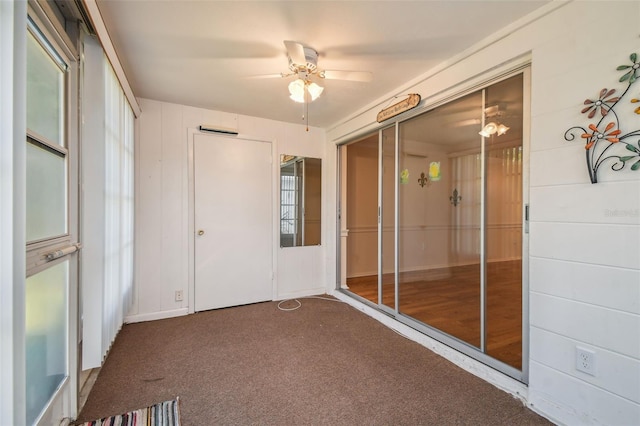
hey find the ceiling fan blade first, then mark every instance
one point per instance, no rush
(363, 76)
(262, 76)
(295, 51)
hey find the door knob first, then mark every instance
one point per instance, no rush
(201, 232)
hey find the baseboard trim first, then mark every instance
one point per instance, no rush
(156, 315)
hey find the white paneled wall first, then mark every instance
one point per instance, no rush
(585, 238)
(149, 283)
(584, 258)
(162, 209)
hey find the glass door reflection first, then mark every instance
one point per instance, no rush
(439, 234)
(504, 201)
(448, 242)
(359, 194)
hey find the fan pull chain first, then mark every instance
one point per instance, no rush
(305, 108)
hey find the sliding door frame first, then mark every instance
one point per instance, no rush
(381, 305)
(478, 353)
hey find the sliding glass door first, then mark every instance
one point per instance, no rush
(439, 232)
(449, 222)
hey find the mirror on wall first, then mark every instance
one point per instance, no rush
(300, 201)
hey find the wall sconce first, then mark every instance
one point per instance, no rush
(493, 128)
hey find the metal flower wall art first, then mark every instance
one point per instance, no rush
(604, 138)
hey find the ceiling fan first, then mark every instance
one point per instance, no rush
(304, 60)
(303, 63)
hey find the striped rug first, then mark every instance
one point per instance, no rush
(163, 414)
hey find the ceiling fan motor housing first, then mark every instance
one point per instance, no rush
(311, 58)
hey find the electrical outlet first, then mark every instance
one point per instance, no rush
(586, 360)
(178, 295)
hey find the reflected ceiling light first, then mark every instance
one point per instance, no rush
(489, 129)
(493, 128)
(297, 89)
(502, 129)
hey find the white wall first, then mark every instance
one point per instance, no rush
(584, 277)
(162, 205)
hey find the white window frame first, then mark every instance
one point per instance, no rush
(63, 403)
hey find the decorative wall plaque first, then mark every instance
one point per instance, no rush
(410, 102)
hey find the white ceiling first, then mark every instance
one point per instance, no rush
(204, 53)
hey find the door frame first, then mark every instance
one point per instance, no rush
(190, 208)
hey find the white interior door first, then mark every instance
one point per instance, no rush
(233, 221)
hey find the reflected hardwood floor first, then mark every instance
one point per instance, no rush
(449, 300)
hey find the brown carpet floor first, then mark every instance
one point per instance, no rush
(324, 363)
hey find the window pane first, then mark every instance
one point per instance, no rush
(44, 93)
(46, 193)
(46, 336)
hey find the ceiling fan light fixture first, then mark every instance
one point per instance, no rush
(298, 87)
(314, 90)
(296, 90)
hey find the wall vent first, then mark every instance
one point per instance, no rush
(218, 129)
